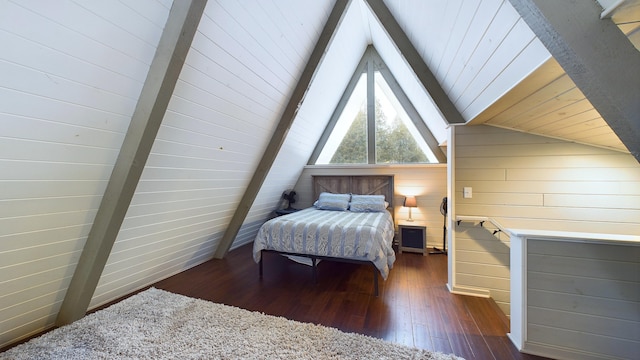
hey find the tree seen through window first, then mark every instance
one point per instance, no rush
(394, 142)
(394, 134)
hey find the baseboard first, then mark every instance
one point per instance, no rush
(557, 352)
(515, 341)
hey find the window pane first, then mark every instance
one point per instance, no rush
(395, 142)
(353, 148)
(347, 143)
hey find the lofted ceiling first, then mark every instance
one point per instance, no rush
(489, 63)
(548, 102)
(487, 49)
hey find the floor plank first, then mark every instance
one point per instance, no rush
(414, 306)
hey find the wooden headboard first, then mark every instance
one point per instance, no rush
(355, 184)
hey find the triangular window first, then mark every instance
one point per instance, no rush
(372, 125)
(348, 141)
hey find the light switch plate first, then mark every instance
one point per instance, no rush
(467, 192)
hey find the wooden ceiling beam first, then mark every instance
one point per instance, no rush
(414, 115)
(596, 55)
(282, 129)
(157, 90)
(441, 100)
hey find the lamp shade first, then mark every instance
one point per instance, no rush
(410, 201)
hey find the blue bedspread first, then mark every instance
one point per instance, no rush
(366, 236)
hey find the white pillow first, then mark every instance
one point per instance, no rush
(329, 201)
(367, 203)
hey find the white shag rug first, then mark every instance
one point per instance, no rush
(156, 324)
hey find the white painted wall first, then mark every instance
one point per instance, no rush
(236, 81)
(71, 74)
(531, 182)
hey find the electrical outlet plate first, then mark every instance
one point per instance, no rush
(467, 193)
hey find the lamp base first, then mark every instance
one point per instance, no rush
(409, 219)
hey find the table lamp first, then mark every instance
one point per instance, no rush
(410, 202)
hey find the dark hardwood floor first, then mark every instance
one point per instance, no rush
(414, 306)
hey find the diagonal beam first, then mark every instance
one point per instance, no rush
(371, 114)
(289, 114)
(415, 61)
(414, 115)
(596, 55)
(164, 71)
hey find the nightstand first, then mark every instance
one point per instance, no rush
(412, 238)
(281, 212)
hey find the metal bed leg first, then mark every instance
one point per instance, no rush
(375, 281)
(314, 270)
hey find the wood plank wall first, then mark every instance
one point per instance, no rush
(532, 182)
(70, 82)
(226, 104)
(427, 182)
(331, 78)
(71, 76)
(584, 298)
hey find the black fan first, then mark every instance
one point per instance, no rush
(290, 196)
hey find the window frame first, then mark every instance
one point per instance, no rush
(369, 64)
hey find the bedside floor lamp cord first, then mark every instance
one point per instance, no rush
(437, 251)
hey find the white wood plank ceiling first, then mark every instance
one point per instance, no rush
(547, 102)
(490, 64)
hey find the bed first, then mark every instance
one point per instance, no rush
(360, 230)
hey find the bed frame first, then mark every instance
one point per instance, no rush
(343, 184)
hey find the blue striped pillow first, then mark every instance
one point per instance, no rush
(367, 203)
(337, 202)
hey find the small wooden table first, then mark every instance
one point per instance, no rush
(412, 238)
